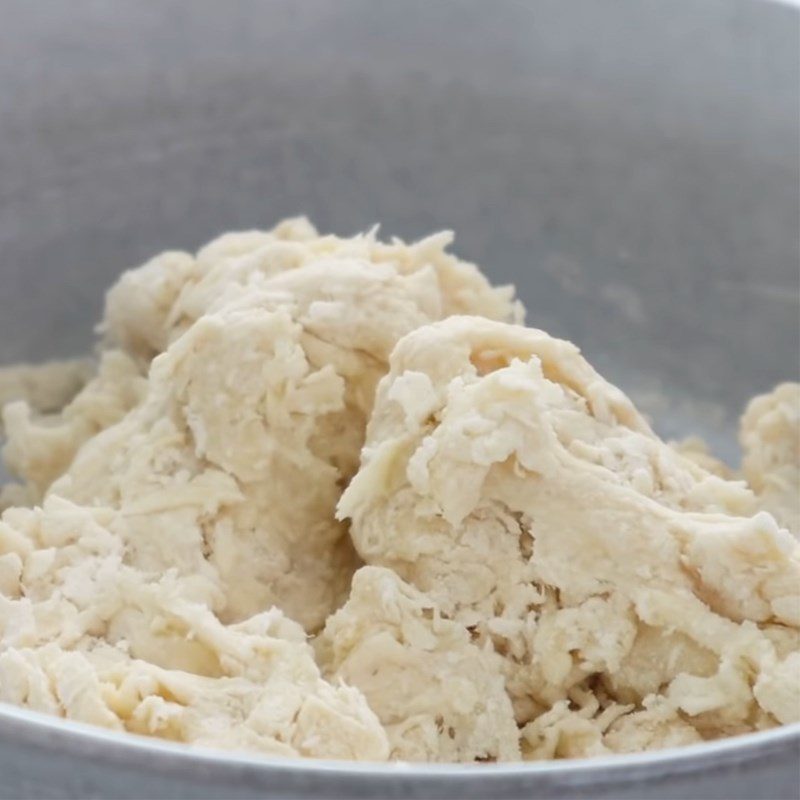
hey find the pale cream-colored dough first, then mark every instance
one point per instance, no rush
(504, 478)
(254, 415)
(37, 389)
(151, 306)
(45, 387)
(40, 447)
(770, 437)
(439, 696)
(87, 637)
(545, 577)
(191, 487)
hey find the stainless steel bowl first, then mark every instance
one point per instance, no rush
(631, 165)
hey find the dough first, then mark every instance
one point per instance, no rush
(73, 616)
(40, 447)
(626, 587)
(254, 415)
(770, 437)
(188, 492)
(439, 696)
(544, 577)
(45, 387)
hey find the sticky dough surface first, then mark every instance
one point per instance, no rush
(328, 497)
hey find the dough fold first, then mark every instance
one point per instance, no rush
(531, 502)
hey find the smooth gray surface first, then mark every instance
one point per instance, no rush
(632, 165)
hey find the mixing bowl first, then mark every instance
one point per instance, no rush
(632, 166)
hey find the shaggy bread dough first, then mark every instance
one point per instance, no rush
(40, 448)
(45, 387)
(189, 490)
(151, 306)
(272, 345)
(546, 577)
(440, 697)
(770, 437)
(529, 501)
(87, 637)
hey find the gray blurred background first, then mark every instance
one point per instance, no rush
(631, 165)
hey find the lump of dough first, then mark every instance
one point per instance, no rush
(150, 306)
(86, 637)
(654, 727)
(47, 387)
(252, 423)
(188, 492)
(251, 420)
(770, 437)
(40, 447)
(530, 500)
(439, 697)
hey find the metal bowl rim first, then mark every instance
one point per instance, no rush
(88, 738)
